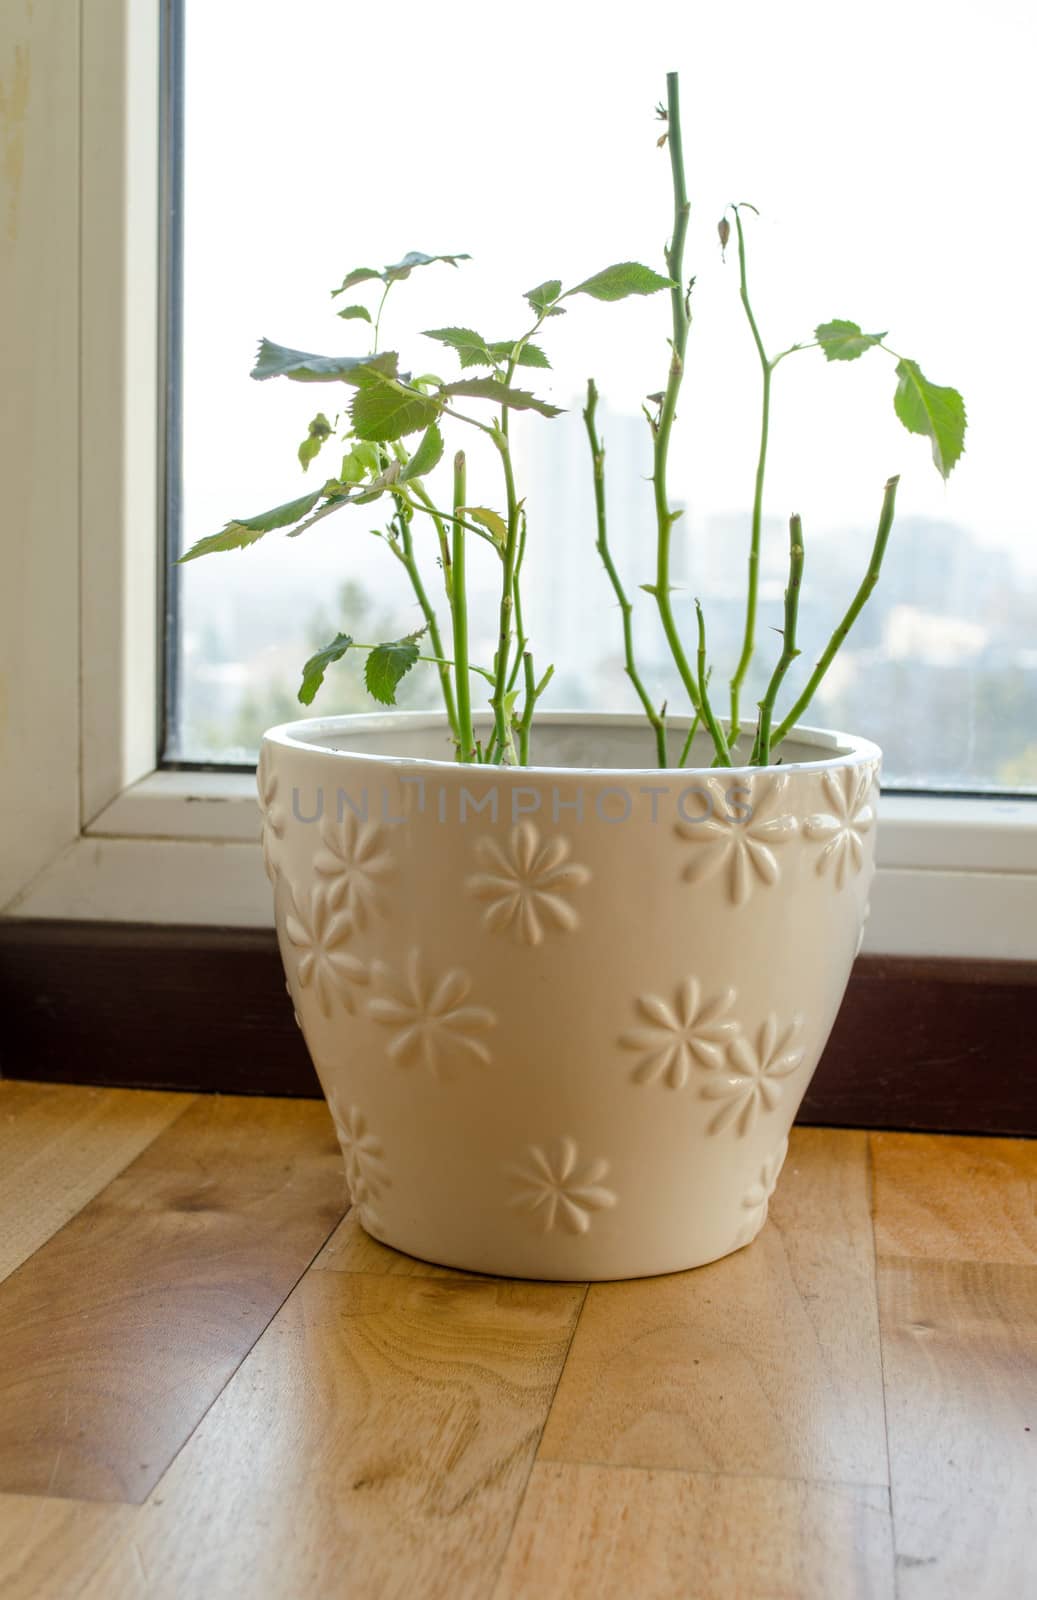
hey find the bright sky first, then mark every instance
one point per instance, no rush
(889, 148)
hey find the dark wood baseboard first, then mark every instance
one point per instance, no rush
(919, 1044)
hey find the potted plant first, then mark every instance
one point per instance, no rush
(564, 978)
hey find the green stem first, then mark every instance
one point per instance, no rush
(520, 628)
(767, 367)
(459, 613)
(761, 756)
(854, 609)
(411, 564)
(625, 606)
(665, 518)
(533, 692)
(692, 731)
(501, 723)
(378, 314)
(723, 756)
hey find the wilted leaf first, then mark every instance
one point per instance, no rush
(320, 429)
(426, 456)
(363, 459)
(471, 347)
(383, 409)
(314, 670)
(938, 413)
(491, 520)
(358, 275)
(416, 258)
(246, 530)
(350, 313)
(844, 341)
(492, 389)
(621, 280)
(277, 361)
(387, 664)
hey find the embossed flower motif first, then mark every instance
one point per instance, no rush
(321, 934)
(757, 1197)
(354, 864)
(753, 1076)
(432, 1026)
(526, 886)
(691, 1030)
(739, 836)
(272, 812)
(557, 1191)
(364, 1161)
(842, 830)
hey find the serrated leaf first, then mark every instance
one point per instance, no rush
(471, 347)
(619, 281)
(428, 455)
(544, 295)
(278, 361)
(492, 520)
(383, 410)
(314, 670)
(492, 389)
(320, 429)
(530, 355)
(244, 531)
(938, 413)
(351, 313)
(387, 664)
(357, 275)
(417, 258)
(844, 341)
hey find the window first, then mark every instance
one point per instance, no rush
(866, 213)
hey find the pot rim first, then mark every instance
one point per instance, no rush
(305, 734)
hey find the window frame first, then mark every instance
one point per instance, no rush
(144, 843)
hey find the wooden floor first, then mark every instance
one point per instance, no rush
(212, 1384)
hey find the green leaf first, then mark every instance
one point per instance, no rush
(357, 463)
(938, 413)
(246, 530)
(543, 297)
(530, 355)
(277, 361)
(428, 455)
(358, 275)
(320, 429)
(383, 409)
(387, 664)
(621, 280)
(844, 341)
(314, 670)
(471, 347)
(350, 313)
(416, 258)
(487, 519)
(492, 389)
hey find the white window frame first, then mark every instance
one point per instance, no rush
(92, 828)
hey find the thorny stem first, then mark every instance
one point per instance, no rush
(410, 562)
(505, 748)
(520, 630)
(870, 579)
(723, 757)
(626, 608)
(665, 518)
(459, 615)
(761, 755)
(767, 368)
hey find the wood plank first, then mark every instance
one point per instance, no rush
(764, 1363)
(376, 1442)
(955, 1199)
(50, 1548)
(350, 1249)
(117, 1335)
(609, 1533)
(959, 1342)
(59, 1147)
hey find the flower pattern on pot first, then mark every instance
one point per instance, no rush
(354, 864)
(431, 1024)
(364, 1161)
(526, 887)
(272, 812)
(556, 1191)
(320, 934)
(676, 1037)
(842, 831)
(753, 1076)
(757, 1197)
(742, 844)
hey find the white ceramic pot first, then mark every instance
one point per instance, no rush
(564, 1015)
